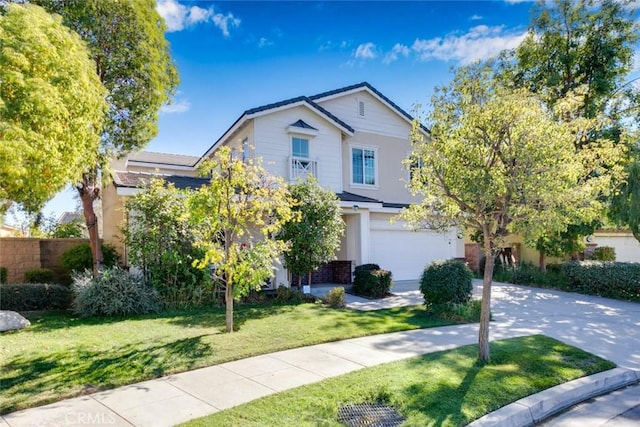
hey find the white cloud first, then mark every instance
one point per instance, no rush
(476, 17)
(178, 16)
(366, 51)
(264, 42)
(480, 42)
(397, 50)
(225, 21)
(176, 107)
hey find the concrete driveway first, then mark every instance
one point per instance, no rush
(608, 328)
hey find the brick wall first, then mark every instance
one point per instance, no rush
(472, 255)
(332, 272)
(20, 254)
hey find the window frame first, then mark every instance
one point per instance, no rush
(363, 184)
(308, 156)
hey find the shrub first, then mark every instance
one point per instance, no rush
(290, 295)
(446, 282)
(370, 281)
(335, 297)
(464, 313)
(38, 275)
(34, 296)
(366, 267)
(3, 274)
(161, 240)
(114, 293)
(620, 280)
(604, 253)
(79, 258)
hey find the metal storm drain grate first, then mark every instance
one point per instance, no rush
(369, 415)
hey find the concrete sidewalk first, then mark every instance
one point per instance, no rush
(178, 398)
(604, 327)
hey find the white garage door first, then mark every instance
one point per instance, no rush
(406, 253)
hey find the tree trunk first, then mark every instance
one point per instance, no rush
(309, 282)
(89, 192)
(300, 282)
(485, 313)
(543, 261)
(228, 299)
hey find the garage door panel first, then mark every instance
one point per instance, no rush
(406, 253)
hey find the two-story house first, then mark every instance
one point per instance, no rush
(353, 139)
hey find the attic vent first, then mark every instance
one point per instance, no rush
(361, 108)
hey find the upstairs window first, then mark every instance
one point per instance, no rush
(300, 147)
(363, 166)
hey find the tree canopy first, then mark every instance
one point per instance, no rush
(240, 213)
(315, 235)
(51, 106)
(578, 43)
(498, 162)
(587, 47)
(133, 61)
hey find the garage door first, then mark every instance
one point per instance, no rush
(406, 253)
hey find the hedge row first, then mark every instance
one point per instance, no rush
(620, 280)
(34, 296)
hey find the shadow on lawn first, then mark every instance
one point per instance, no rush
(61, 375)
(209, 317)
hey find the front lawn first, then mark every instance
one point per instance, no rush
(449, 388)
(62, 355)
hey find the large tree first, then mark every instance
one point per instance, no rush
(580, 45)
(239, 214)
(133, 62)
(315, 235)
(498, 162)
(51, 106)
(625, 204)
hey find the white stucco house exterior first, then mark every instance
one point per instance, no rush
(353, 139)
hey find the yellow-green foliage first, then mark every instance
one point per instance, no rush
(51, 106)
(241, 210)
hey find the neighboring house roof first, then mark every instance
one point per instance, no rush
(375, 92)
(162, 158)
(123, 179)
(68, 217)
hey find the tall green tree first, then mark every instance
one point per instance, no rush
(314, 235)
(51, 106)
(580, 45)
(574, 43)
(625, 204)
(132, 58)
(240, 213)
(498, 162)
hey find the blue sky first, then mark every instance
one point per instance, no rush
(237, 55)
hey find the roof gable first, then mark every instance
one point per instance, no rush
(365, 86)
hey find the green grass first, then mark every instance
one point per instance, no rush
(449, 388)
(62, 355)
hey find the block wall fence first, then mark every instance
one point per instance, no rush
(19, 254)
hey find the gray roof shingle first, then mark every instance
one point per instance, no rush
(123, 179)
(163, 158)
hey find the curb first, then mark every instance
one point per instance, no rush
(537, 407)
